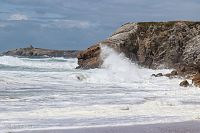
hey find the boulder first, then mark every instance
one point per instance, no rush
(184, 83)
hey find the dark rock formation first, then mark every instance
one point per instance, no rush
(38, 52)
(173, 44)
(90, 58)
(184, 83)
(172, 74)
(157, 75)
(152, 44)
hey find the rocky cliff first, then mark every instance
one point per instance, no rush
(38, 52)
(152, 44)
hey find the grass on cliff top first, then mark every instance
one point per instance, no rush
(165, 24)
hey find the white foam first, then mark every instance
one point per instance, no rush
(117, 68)
(38, 63)
(119, 92)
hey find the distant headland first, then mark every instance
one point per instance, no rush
(31, 51)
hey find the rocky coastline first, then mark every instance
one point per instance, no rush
(174, 45)
(39, 52)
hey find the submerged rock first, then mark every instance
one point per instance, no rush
(172, 74)
(157, 75)
(184, 83)
(38, 52)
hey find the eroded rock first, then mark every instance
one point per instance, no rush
(151, 44)
(174, 45)
(196, 80)
(90, 58)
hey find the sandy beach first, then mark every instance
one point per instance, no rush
(180, 127)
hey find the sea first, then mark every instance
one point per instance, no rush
(50, 93)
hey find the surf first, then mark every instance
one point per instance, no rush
(37, 93)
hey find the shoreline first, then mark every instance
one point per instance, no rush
(178, 127)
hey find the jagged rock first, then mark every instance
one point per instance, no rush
(90, 58)
(151, 44)
(184, 83)
(38, 52)
(191, 55)
(196, 80)
(173, 44)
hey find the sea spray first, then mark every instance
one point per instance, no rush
(118, 93)
(115, 68)
(119, 64)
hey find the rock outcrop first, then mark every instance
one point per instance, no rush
(196, 80)
(38, 52)
(152, 44)
(90, 58)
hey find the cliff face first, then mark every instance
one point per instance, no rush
(38, 52)
(152, 44)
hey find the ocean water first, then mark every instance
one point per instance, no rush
(49, 93)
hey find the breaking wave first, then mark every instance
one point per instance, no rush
(16, 63)
(50, 93)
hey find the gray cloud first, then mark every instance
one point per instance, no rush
(17, 17)
(70, 24)
(65, 24)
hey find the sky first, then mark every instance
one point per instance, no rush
(77, 24)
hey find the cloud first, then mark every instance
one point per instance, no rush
(66, 24)
(18, 17)
(79, 23)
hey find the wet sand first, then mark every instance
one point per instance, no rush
(181, 127)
